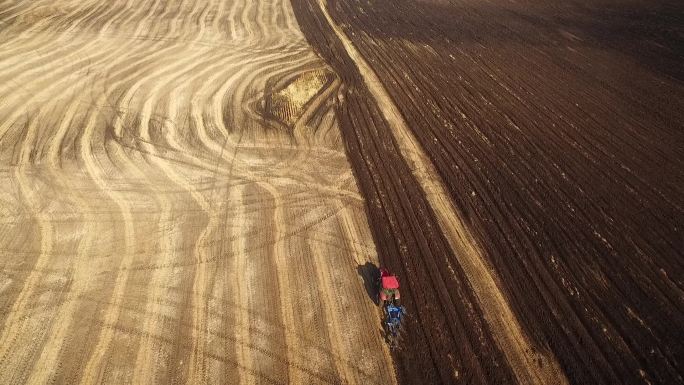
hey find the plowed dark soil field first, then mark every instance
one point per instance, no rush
(556, 127)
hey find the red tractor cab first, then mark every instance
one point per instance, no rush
(389, 287)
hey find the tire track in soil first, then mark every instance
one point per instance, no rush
(280, 257)
(14, 325)
(259, 274)
(49, 356)
(241, 294)
(125, 278)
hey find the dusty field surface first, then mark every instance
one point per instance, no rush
(555, 128)
(176, 205)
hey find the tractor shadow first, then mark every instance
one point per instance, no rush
(370, 273)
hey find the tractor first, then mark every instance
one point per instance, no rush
(388, 298)
(389, 287)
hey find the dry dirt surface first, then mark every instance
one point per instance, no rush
(555, 129)
(176, 205)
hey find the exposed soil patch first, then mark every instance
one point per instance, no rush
(286, 102)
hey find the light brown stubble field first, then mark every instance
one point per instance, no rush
(176, 202)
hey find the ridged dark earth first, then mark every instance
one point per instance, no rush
(557, 127)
